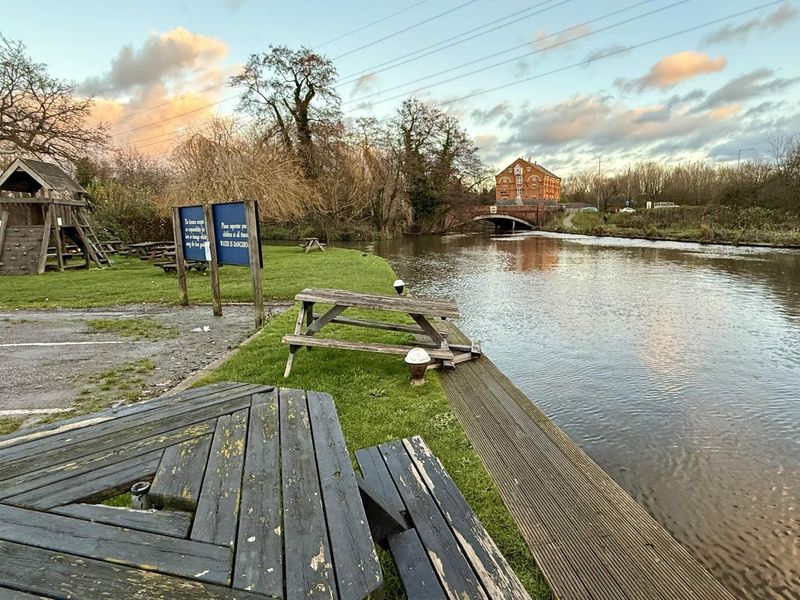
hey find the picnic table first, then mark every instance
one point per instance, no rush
(310, 243)
(309, 323)
(253, 490)
(152, 250)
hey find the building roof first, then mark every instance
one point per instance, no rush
(536, 165)
(29, 175)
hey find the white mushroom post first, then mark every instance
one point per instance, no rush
(417, 360)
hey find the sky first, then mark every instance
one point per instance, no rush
(568, 83)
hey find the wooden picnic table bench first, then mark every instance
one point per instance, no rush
(172, 267)
(253, 493)
(310, 243)
(440, 547)
(434, 341)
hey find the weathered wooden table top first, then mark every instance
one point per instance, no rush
(255, 491)
(406, 304)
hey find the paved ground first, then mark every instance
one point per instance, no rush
(47, 356)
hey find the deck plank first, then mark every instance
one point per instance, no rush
(173, 523)
(483, 554)
(443, 548)
(100, 484)
(64, 470)
(405, 304)
(375, 473)
(414, 567)
(217, 512)
(22, 441)
(146, 551)
(258, 565)
(309, 566)
(68, 576)
(118, 432)
(179, 477)
(355, 561)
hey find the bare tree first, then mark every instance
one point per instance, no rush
(293, 92)
(40, 115)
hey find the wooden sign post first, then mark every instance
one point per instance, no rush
(224, 233)
(254, 249)
(216, 297)
(180, 259)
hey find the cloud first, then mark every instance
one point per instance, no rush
(751, 85)
(785, 13)
(153, 120)
(363, 83)
(163, 56)
(672, 70)
(591, 124)
(490, 115)
(149, 94)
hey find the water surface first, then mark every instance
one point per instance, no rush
(675, 366)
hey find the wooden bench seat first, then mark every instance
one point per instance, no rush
(307, 340)
(446, 552)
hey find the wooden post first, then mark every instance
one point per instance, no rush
(48, 222)
(216, 298)
(254, 247)
(3, 227)
(59, 244)
(179, 258)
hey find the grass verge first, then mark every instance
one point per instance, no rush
(705, 224)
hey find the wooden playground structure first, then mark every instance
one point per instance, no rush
(44, 222)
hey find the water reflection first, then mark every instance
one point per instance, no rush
(675, 366)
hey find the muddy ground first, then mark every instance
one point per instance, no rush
(48, 357)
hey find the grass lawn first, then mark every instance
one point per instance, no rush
(374, 399)
(286, 271)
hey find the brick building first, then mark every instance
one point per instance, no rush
(523, 180)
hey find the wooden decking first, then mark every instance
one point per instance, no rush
(589, 537)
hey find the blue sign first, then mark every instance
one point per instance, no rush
(230, 230)
(193, 233)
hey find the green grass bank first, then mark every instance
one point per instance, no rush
(712, 224)
(373, 397)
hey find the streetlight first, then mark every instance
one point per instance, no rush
(739, 159)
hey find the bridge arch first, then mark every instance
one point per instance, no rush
(504, 221)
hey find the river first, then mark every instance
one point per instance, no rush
(675, 366)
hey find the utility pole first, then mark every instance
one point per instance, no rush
(597, 185)
(739, 159)
(628, 193)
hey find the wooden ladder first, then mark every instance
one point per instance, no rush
(93, 246)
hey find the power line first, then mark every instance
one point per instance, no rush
(155, 106)
(405, 29)
(178, 116)
(519, 16)
(611, 53)
(363, 27)
(527, 54)
(607, 54)
(219, 85)
(561, 43)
